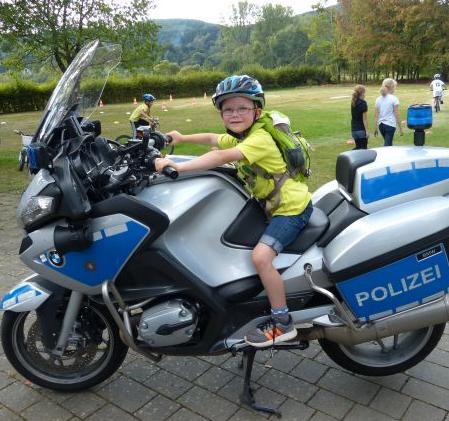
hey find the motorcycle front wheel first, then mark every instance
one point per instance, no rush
(388, 356)
(93, 353)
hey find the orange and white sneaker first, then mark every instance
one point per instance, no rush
(271, 332)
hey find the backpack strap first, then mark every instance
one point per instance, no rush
(279, 180)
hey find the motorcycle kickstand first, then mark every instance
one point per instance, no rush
(247, 396)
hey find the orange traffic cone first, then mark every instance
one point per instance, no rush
(135, 101)
(101, 103)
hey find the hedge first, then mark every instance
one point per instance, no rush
(21, 96)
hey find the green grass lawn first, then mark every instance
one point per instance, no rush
(322, 113)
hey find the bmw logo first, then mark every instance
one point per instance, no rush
(55, 258)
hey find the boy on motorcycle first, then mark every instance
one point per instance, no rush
(141, 115)
(240, 100)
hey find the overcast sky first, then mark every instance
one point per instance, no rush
(216, 11)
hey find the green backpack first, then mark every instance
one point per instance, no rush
(294, 148)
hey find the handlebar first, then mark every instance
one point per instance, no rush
(136, 161)
(170, 172)
(116, 180)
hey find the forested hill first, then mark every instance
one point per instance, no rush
(173, 31)
(191, 41)
(187, 41)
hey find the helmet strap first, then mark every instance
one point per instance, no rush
(239, 136)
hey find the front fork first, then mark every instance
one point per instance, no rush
(71, 313)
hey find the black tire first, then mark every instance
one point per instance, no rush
(13, 342)
(437, 106)
(343, 356)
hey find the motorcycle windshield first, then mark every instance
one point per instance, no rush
(80, 87)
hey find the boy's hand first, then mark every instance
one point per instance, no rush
(176, 136)
(161, 163)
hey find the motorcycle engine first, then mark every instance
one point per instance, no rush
(170, 323)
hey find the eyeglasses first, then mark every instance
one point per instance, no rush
(241, 111)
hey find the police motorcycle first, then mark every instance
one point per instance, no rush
(127, 258)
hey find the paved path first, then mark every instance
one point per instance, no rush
(306, 385)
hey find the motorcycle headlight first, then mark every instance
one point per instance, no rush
(37, 208)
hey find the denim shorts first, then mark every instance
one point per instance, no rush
(283, 230)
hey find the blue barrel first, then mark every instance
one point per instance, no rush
(419, 116)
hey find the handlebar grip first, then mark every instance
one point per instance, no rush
(170, 172)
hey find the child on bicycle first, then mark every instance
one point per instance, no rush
(141, 115)
(240, 100)
(437, 85)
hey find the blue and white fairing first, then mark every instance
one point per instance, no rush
(399, 175)
(115, 239)
(25, 296)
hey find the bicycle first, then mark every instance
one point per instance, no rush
(436, 103)
(23, 155)
(137, 133)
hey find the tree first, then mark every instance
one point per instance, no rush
(385, 37)
(235, 37)
(189, 69)
(57, 29)
(289, 46)
(429, 22)
(238, 28)
(272, 19)
(166, 67)
(323, 41)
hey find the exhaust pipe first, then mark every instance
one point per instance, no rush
(428, 314)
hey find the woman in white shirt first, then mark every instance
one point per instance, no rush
(386, 113)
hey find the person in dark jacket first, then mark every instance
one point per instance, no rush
(359, 120)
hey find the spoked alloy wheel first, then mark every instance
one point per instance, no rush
(388, 356)
(94, 352)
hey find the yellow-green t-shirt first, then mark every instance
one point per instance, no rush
(135, 115)
(259, 148)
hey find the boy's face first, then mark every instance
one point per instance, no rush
(239, 113)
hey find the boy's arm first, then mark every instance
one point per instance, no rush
(198, 138)
(145, 116)
(207, 161)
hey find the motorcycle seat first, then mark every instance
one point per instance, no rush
(347, 164)
(249, 225)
